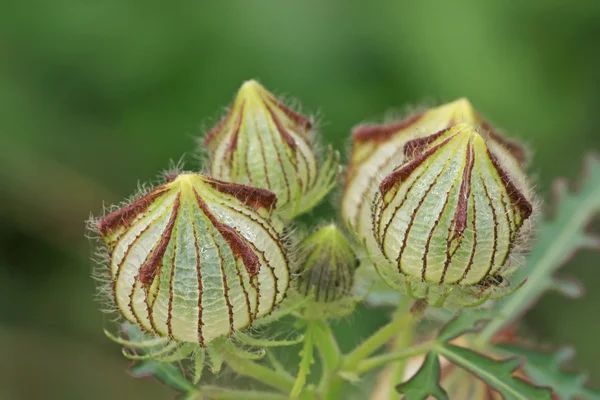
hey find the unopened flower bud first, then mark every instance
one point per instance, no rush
(327, 264)
(196, 258)
(263, 143)
(447, 220)
(378, 149)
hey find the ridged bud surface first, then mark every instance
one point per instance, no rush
(449, 217)
(327, 265)
(378, 149)
(196, 258)
(263, 143)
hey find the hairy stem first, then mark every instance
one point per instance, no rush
(259, 372)
(402, 320)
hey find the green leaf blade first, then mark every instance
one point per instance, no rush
(546, 368)
(425, 382)
(497, 374)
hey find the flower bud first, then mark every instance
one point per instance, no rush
(262, 143)
(196, 258)
(378, 149)
(327, 264)
(446, 221)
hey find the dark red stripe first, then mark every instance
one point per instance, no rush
(416, 146)
(460, 218)
(514, 193)
(381, 133)
(148, 270)
(282, 131)
(239, 247)
(234, 137)
(171, 291)
(124, 216)
(303, 122)
(251, 196)
(407, 169)
(199, 275)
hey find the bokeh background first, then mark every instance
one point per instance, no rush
(96, 96)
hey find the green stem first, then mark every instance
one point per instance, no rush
(219, 393)
(330, 355)
(259, 372)
(401, 321)
(400, 354)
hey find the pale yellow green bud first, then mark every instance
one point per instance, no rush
(447, 221)
(263, 143)
(196, 258)
(439, 204)
(378, 149)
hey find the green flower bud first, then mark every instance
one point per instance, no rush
(447, 220)
(196, 258)
(378, 149)
(262, 143)
(327, 264)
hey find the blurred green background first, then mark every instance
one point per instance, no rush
(98, 95)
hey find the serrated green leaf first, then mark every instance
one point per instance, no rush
(307, 359)
(165, 373)
(496, 373)
(547, 369)
(559, 238)
(425, 382)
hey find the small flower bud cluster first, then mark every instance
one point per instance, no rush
(201, 257)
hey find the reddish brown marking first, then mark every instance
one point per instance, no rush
(236, 131)
(416, 146)
(297, 118)
(200, 290)
(404, 172)
(148, 270)
(170, 176)
(124, 216)
(460, 219)
(251, 196)
(515, 149)
(238, 245)
(381, 133)
(214, 131)
(514, 194)
(282, 131)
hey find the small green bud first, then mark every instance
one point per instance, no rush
(327, 264)
(196, 258)
(447, 220)
(263, 143)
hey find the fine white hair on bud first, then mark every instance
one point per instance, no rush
(446, 203)
(196, 258)
(263, 143)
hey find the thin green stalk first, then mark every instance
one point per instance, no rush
(402, 320)
(399, 355)
(219, 393)
(330, 355)
(259, 372)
